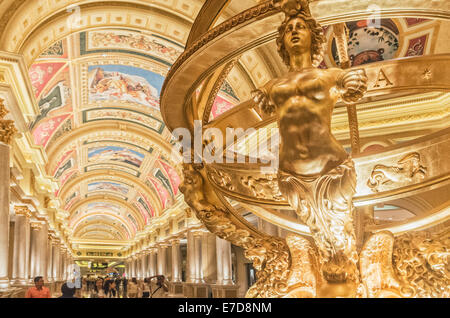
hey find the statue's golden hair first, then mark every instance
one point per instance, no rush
(317, 39)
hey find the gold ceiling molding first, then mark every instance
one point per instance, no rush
(109, 199)
(105, 214)
(44, 35)
(100, 174)
(78, 234)
(85, 131)
(182, 11)
(329, 11)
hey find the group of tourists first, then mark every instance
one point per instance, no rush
(152, 287)
(109, 287)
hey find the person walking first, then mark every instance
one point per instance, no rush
(125, 287)
(133, 288)
(99, 291)
(146, 288)
(110, 289)
(67, 292)
(160, 288)
(39, 290)
(118, 282)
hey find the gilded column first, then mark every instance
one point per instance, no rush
(7, 131)
(21, 245)
(224, 268)
(176, 261)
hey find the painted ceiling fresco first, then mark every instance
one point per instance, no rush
(373, 41)
(100, 125)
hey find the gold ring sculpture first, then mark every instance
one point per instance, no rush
(316, 178)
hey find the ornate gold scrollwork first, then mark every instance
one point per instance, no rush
(7, 129)
(270, 255)
(262, 187)
(422, 263)
(406, 170)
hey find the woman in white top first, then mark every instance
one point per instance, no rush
(146, 288)
(132, 288)
(98, 291)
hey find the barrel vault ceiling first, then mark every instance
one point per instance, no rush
(96, 71)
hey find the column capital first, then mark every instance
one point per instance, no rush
(175, 241)
(36, 225)
(22, 210)
(7, 128)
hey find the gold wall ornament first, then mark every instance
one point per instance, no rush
(305, 278)
(270, 255)
(263, 187)
(407, 169)
(7, 128)
(377, 273)
(316, 174)
(422, 262)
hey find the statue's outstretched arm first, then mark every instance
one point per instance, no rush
(262, 99)
(352, 85)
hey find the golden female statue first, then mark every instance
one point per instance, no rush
(315, 173)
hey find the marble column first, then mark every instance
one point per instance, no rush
(140, 273)
(162, 260)
(144, 264)
(176, 261)
(153, 262)
(43, 257)
(190, 258)
(224, 267)
(148, 272)
(50, 259)
(5, 139)
(21, 252)
(198, 278)
(133, 267)
(209, 258)
(35, 253)
(56, 260)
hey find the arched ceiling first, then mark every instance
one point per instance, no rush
(97, 68)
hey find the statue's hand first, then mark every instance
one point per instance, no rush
(260, 98)
(353, 85)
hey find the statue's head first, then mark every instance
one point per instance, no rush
(300, 33)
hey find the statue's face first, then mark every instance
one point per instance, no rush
(297, 37)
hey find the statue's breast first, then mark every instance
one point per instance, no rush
(312, 86)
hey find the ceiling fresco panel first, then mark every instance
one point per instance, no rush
(124, 83)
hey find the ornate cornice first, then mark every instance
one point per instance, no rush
(22, 210)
